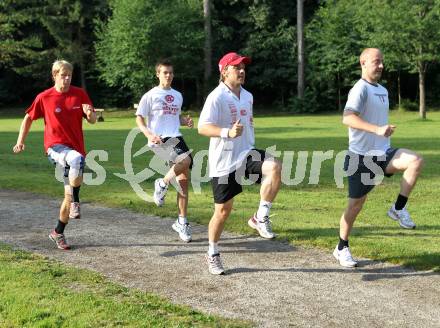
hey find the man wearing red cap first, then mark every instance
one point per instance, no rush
(228, 120)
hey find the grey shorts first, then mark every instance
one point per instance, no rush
(360, 181)
(173, 149)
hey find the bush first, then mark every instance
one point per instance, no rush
(407, 105)
(308, 104)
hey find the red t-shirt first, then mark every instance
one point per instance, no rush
(63, 114)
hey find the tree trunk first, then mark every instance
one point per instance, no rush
(339, 94)
(82, 69)
(399, 95)
(81, 54)
(422, 72)
(199, 96)
(300, 40)
(208, 46)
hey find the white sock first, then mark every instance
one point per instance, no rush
(213, 248)
(162, 183)
(182, 220)
(263, 210)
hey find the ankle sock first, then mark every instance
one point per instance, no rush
(400, 202)
(213, 248)
(75, 194)
(263, 210)
(60, 227)
(162, 183)
(342, 243)
(182, 220)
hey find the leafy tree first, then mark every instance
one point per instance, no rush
(35, 33)
(70, 24)
(265, 31)
(21, 48)
(140, 32)
(385, 27)
(207, 6)
(15, 22)
(409, 34)
(271, 43)
(300, 41)
(333, 45)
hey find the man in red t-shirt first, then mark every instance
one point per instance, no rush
(62, 107)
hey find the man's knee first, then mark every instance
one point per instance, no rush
(222, 212)
(76, 182)
(417, 163)
(356, 204)
(274, 168)
(75, 166)
(184, 163)
(277, 167)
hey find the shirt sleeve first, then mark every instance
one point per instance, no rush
(144, 105)
(357, 98)
(36, 110)
(210, 111)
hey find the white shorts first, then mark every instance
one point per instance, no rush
(67, 158)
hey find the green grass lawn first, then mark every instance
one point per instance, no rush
(37, 292)
(306, 214)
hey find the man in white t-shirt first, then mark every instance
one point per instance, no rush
(227, 119)
(161, 107)
(370, 153)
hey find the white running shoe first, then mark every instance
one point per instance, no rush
(215, 265)
(184, 231)
(264, 228)
(75, 211)
(159, 192)
(402, 216)
(344, 257)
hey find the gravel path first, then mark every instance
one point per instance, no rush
(271, 283)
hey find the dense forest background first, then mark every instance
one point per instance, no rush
(114, 45)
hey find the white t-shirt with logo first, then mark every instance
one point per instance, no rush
(371, 102)
(162, 108)
(223, 108)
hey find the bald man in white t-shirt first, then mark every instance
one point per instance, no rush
(370, 153)
(161, 108)
(227, 118)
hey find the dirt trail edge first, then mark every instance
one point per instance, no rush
(271, 283)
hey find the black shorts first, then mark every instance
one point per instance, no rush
(360, 181)
(227, 187)
(172, 153)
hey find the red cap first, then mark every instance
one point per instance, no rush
(232, 58)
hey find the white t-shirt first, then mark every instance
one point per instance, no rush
(162, 108)
(371, 102)
(223, 108)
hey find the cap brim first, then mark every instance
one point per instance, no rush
(244, 60)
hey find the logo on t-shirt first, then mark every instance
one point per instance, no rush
(57, 110)
(169, 98)
(232, 108)
(382, 97)
(243, 112)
